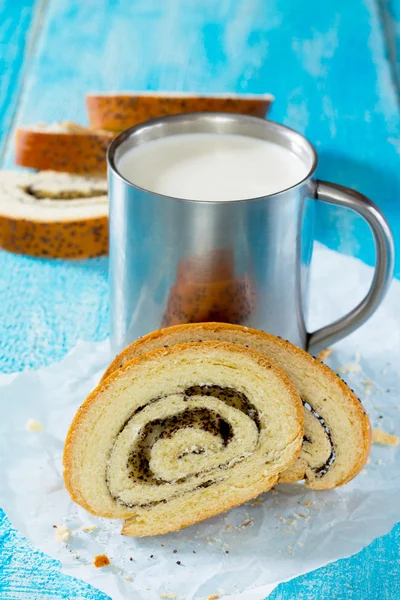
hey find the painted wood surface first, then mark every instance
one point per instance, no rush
(390, 14)
(333, 67)
(327, 65)
(16, 19)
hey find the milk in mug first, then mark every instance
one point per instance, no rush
(212, 167)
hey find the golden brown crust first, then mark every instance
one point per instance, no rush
(116, 112)
(73, 431)
(69, 151)
(65, 239)
(70, 475)
(309, 361)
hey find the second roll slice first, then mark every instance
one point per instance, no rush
(66, 147)
(181, 434)
(119, 110)
(53, 215)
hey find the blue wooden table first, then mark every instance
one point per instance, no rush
(333, 66)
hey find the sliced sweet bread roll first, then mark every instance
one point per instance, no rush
(337, 432)
(117, 111)
(53, 215)
(64, 147)
(181, 434)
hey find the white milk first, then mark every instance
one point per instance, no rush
(212, 166)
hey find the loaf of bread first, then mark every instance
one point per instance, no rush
(53, 215)
(337, 433)
(64, 147)
(117, 111)
(181, 434)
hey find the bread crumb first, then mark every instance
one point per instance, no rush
(228, 527)
(368, 386)
(89, 528)
(170, 595)
(33, 425)
(101, 560)
(300, 544)
(256, 501)
(128, 577)
(247, 523)
(350, 368)
(213, 597)
(289, 549)
(324, 354)
(62, 533)
(307, 503)
(208, 539)
(380, 437)
(304, 516)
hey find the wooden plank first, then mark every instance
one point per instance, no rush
(15, 21)
(134, 45)
(344, 100)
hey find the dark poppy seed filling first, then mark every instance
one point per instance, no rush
(66, 194)
(307, 439)
(139, 460)
(230, 396)
(205, 419)
(205, 484)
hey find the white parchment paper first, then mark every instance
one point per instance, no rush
(248, 551)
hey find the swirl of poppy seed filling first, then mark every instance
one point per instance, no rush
(239, 401)
(138, 463)
(323, 468)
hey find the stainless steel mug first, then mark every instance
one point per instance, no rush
(242, 261)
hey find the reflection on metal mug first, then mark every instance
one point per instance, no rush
(176, 260)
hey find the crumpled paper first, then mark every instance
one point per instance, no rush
(242, 554)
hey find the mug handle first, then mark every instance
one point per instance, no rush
(384, 248)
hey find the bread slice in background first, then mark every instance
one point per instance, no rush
(64, 147)
(116, 111)
(73, 148)
(53, 215)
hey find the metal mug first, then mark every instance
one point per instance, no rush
(244, 261)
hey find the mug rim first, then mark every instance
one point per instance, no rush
(208, 116)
